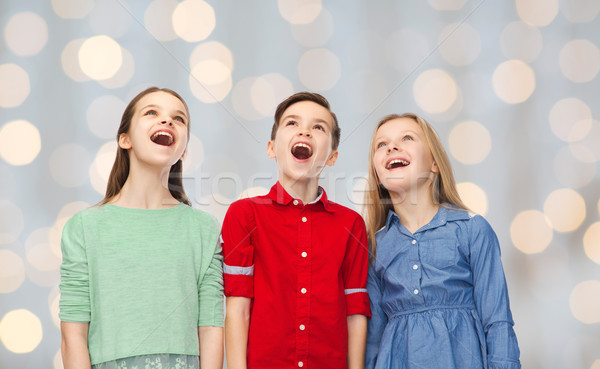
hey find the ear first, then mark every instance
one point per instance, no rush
(124, 141)
(332, 158)
(434, 168)
(271, 149)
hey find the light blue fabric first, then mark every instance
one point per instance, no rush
(439, 298)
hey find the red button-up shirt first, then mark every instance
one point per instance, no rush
(305, 267)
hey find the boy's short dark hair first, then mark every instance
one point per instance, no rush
(307, 96)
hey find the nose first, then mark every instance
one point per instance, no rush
(169, 122)
(303, 132)
(392, 147)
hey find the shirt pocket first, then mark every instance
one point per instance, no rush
(440, 254)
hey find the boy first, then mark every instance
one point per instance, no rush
(296, 263)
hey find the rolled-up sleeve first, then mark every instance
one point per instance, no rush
(210, 288)
(354, 270)
(74, 301)
(238, 250)
(491, 297)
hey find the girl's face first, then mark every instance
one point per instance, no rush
(158, 133)
(402, 158)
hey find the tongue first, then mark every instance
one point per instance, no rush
(162, 140)
(301, 153)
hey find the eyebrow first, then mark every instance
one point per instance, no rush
(379, 137)
(298, 117)
(156, 106)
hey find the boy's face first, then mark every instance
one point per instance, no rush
(302, 144)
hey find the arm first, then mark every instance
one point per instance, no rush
(211, 347)
(237, 322)
(74, 346)
(491, 297)
(357, 337)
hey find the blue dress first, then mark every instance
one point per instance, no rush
(439, 298)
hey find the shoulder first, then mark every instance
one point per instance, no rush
(201, 216)
(93, 213)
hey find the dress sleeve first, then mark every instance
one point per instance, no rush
(354, 270)
(491, 297)
(378, 320)
(238, 250)
(74, 301)
(210, 288)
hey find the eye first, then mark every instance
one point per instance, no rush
(150, 112)
(290, 123)
(407, 138)
(320, 127)
(381, 144)
(180, 119)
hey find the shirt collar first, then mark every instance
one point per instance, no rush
(279, 195)
(446, 213)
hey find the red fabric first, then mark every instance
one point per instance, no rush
(268, 232)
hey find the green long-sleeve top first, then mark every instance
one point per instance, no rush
(143, 279)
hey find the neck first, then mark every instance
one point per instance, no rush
(305, 189)
(414, 212)
(146, 188)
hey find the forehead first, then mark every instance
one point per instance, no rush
(399, 126)
(161, 99)
(309, 110)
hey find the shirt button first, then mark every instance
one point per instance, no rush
(304, 254)
(415, 267)
(303, 290)
(414, 241)
(295, 202)
(300, 364)
(416, 292)
(304, 219)
(302, 327)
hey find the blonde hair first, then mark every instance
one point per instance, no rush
(377, 198)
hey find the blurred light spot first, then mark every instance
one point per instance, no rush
(20, 142)
(570, 119)
(110, 17)
(580, 61)
(566, 210)
(100, 57)
(406, 49)
(193, 20)
(435, 91)
(531, 232)
(470, 142)
(582, 153)
(590, 142)
(591, 242)
(39, 252)
(212, 50)
(585, 302)
(580, 11)
(460, 44)
(210, 81)
(571, 172)
(104, 116)
(240, 99)
(358, 196)
(538, 13)
(521, 41)
(447, 4)
(269, 90)
(473, 197)
(316, 33)
(11, 222)
(14, 85)
(299, 11)
(70, 61)
(513, 81)
(453, 111)
(69, 164)
(12, 271)
(20, 331)
(72, 9)
(194, 155)
(157, 19)
(365, 89)
(253, 192)
(26, 33)
(123, 75)
(319, 69)
(101, 166)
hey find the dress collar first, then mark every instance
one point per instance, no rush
(446, 213)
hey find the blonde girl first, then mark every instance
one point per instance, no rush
(141, 277)
(436, 285)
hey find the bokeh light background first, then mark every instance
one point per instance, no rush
(511, 86)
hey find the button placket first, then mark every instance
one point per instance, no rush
(303, 284)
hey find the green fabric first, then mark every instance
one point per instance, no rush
(143, 279)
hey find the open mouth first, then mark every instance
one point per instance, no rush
(163, 138)
(301, 151)
(396, 163)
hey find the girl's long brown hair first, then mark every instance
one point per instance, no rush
(377, 198)
(120, 168)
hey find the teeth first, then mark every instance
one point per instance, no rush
(397, 161)
(300, 144)
(162, 133)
